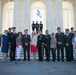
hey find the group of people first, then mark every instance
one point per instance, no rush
(36, 26)
(16, 42)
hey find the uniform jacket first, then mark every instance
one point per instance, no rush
(40, 40)
(41, 26)
(47, 39)
(25, 39)
(37, 25)
(68, 39)
(12, 39)
(60, 37)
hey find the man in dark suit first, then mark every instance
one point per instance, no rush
(37, 27)
(26, 44)
(33, 26)
(72, 33)
(47, 45)
(60, 46)
(9, 31)
(68, 41)
(40, 44)
(41, 26)
(12, 44)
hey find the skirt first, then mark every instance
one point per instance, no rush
(34, 49)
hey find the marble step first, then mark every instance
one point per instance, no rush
(31, 54)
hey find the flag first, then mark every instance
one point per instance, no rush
(39, 14)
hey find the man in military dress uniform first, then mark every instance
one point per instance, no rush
(72, 33)
(33, 26)
(26, 44)
(41, 26)
(37, 27)
(68, 41)
(47, 45)
(9, 34)
(12, 44)
(60, 46)
(14, 31)
(40, 44)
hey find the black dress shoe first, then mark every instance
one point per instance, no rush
(62, 60)
(19, 59)
(24, 60)
(11, 60)
(41, 60)
(53, 60)
(28, 60)
(58, 60)
(14, 60)
(48, 60)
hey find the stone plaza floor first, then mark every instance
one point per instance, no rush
(37, 68)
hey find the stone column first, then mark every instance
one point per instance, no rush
(54, 16)
(0, 19)
(27, 15)
(75, 14)
(17, 14)
(59, 14)
(49, 14)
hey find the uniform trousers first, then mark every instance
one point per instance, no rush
(26, 49)
(12, 53)
(60, 48)
(68, 53)
(41, 53)
(47, 52)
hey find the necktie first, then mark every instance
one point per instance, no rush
(40, 37)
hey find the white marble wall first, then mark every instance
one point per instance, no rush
(17, 14)
(59, 17)
(75, 14)
(24, 21)
(22, 26)
(49, 16)
(0, 17)
(27, 15)
(22, 15)
(54, 15)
